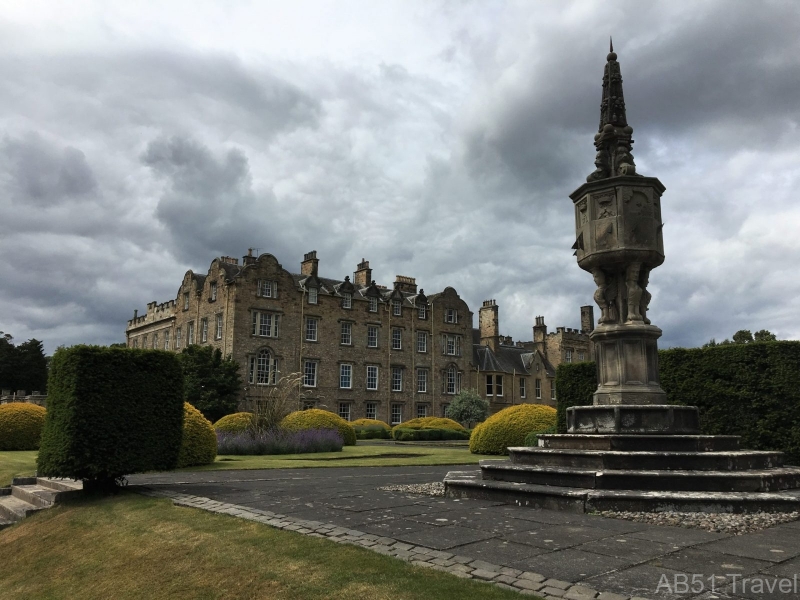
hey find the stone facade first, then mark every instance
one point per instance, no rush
(507, 372)
(363, 350)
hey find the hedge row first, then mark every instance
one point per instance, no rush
(111, 412)
(749, 390)
(432, 423)
(402, 434)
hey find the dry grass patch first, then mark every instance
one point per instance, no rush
(134, 547)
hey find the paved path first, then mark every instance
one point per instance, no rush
(609, 555)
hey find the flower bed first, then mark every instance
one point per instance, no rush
(279, 441)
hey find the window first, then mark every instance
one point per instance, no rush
(372, 377)
(552, 390)
(136, 342)
(347, 334)
(397, 307)
(373, 304)
(422, 411)
(489, 385)
(312, 295)
(310, 373)
(372, 410)
(346, 376)
(451, 345)
(445, 409)
(344, 410)
(218, 333)
(267, 288)
(522, 387)
(397, 338)
(155, 341)
(538, 389)
(498, 385)
(263, 369)
(178, 338)
(581, 357)
(265, 324)
(453, 380)
(166, 339)
(311, 329)
(144, 341)
(308, 404)
(568, 355)
(347, 300)
(214, 291)
(186, 301)
(422, 341)
(372, 336)
(450, 315)
(204, 331)
(397, 379)
(422, 311)
(422, 381)
(397, 414)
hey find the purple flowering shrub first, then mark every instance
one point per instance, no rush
(279, 441)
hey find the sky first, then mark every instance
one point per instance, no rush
(437, 140)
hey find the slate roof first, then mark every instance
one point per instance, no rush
(507, 359)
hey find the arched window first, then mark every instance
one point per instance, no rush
(263, 368)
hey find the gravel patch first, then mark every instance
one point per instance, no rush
(423, 489)
(736, 524)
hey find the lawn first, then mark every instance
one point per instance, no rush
(130, 546)
(373, 455)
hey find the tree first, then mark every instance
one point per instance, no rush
(743, 336)
(765, 336)
(211, 383)
(468, 408)
(22, 367)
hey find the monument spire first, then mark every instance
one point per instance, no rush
(613, 140)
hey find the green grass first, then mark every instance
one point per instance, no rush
(130, 546)
(15, 464)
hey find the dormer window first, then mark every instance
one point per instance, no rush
(373, 304)
(422, 312)
(312, 295)
(347, 300)
(397, 307)
(451, 315)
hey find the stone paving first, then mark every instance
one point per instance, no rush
(536, 552)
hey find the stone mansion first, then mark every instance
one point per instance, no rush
(362, 349)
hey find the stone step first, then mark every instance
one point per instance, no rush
(663, 443)
(469, 484)
(769, 480)
(60, 485)
(15, 509)
(4, 523)
(36, 494)
(659, 461)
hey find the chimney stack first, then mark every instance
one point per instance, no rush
(310, 264)
(249, 259)
(489, 324)
(587, 319)
(540, 335)
(405, 284)
(363, 275)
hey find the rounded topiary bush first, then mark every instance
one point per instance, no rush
(509, 427)
(21, 426)
(235, 423)
(372, 429)
(315, 418)
(370, 423)
(199, 441)
(432, 423)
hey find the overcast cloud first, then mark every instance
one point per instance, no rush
(438, 140)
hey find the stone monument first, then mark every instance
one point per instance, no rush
(629, 450)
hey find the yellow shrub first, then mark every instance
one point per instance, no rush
(235, 423)
(509, 428)
(431, 423)
(21, 426)
(370, 423)
(199, 441)
(315, 418)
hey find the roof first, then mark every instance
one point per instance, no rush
(508, 359)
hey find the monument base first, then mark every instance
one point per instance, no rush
(632, 419)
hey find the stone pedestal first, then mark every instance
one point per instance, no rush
(627, 419)
(627, 359)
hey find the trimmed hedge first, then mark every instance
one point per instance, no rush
(370, 423)
(431, 423)
(235, 423)
(111, 412)
(199, 440)
(532, 439)
(21, 426)
(575, 383)
(509, 427)
(401, 434)
(315, 418)
(750, 390)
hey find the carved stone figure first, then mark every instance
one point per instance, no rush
(605, 295)
(635, 292)
(645, 295)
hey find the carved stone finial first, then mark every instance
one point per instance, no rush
(613, 140)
